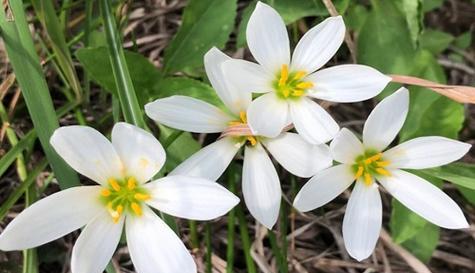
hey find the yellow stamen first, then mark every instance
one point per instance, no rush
(136, 208)
(286, 92)
(373, 158)
(243, 117)
(252, 139)
(131, 183)
(359, 173)
(284, 75)
(119, 209)
(298, 93)
(114, 184)
(382, 171)
(382, 163)
(367, 179)
(234, 123)
(300, 74)
(304, 85)
(105, 192)
(142, 196)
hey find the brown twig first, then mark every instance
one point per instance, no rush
(348, 39)
(459, 93)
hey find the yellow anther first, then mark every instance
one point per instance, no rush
(243, 116)
(284, 75)
(234, 123)
(114, 184)
(300, 74)
(304, 85)
(252, 139)
(131, 183)
(142, 196)
(136, 208)
(298, 93)
(382, 163)
(373, 158)
(119, 209)
(367, 179)
(105, 192)
(359, 173)
(382, 171)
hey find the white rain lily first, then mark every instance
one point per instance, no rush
(261, 186)
(122, 197)
(369, 162)
(290, 84)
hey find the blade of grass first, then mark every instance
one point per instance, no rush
(30, 257)
(25, 62)
(231, 223)
(15, 151)
(195, 243)
(276, 251)
(246, 240)
(209, 251)
(125, 89)
(47, 15)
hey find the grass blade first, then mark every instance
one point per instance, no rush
(25, 62)
(125, 89)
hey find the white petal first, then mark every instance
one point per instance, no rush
(51, 218)
(248, 77)
(362, 221)
(312, 122)
(261, 186)
(88, 152)
(386, 120)
(425, 199)
(426, 152)
(346, 147)
(211, 161)
(188, 114)
(190, 197)
(267, 38)
(318, 45)
(141, 153)
(347, 83)
(96, 244)
(233, 98)
(298, 156)
(154, 247)
(324, 187)
(268, 115)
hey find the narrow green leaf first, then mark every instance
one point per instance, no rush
(461, 174)
(435, 41)
(205, 24)
(125, 89)
(25, 62)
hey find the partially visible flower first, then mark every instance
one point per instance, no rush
(261, 186)
(122, 198)
(290, 84)
(368, 162)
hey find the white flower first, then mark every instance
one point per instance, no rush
(290, 84)
(368, 162)
(122, 198)
(261, 186)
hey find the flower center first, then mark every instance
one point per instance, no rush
(290, 85)
(370, 164)
(243, 121)
(123, 196)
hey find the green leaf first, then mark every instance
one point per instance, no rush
(356, 17)
(143, 73)
(428, 5)
(25, 62)
(205, 24)
(412, 10)
(462, 174)
(468, 194)
(246, 14)
(186, 87)
(435, 41)
(463, 41)
(423, 244)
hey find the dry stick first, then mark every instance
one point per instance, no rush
(459, 93)
(348, 39)
(412, 261)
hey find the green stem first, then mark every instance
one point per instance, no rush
(209, 251)
(246, 240)
(195, 242)
(125, 89)
(231, 222)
